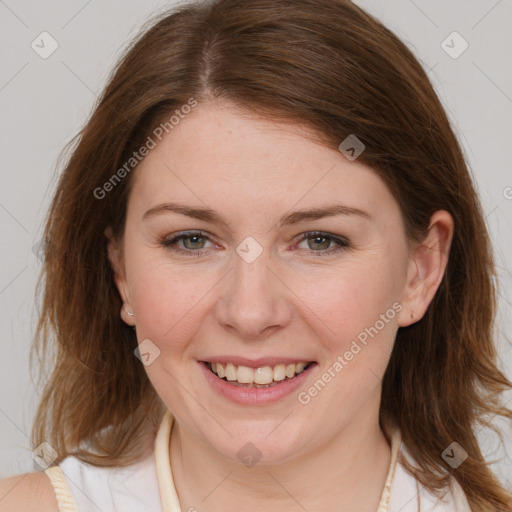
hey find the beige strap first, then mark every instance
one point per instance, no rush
(168, 496)
(62, 491)
(396, 442)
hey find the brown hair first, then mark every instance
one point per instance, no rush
(328, 65)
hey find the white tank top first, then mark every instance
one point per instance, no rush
(148, 486)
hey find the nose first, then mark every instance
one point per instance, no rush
(254, 299)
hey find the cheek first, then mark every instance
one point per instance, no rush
(342, 302)
(334, 304)
(168, 299)
(352, 315)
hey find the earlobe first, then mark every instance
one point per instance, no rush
(117, 266)
(129, 320)
(426, 269)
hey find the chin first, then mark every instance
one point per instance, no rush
(259, 449)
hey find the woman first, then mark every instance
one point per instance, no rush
(267, 269)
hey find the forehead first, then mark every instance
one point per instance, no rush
(231, 160)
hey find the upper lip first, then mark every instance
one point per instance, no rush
(256, 363)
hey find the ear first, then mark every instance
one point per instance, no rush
(426, 268)
(117, 264)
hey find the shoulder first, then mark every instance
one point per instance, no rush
(30, 491)
(408, 495)
(129, 488)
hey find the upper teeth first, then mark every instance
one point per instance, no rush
(262, 375)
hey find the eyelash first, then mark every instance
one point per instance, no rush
(343, 244)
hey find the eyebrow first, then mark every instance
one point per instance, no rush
(208, 215)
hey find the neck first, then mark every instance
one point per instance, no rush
(346, 473)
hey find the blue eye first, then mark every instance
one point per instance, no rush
(194, 241)
(323, 241)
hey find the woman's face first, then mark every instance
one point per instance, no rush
(265, 273)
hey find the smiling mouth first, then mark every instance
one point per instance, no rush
(263, 377)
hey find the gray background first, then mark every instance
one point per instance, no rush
(44, 102)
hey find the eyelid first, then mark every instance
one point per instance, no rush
(342, 242)
(168, 240)
(191, 232)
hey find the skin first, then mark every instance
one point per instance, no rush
(331, 453)
(31, 491)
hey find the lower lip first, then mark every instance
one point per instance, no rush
(255, 396)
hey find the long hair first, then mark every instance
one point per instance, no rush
(326, 64)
